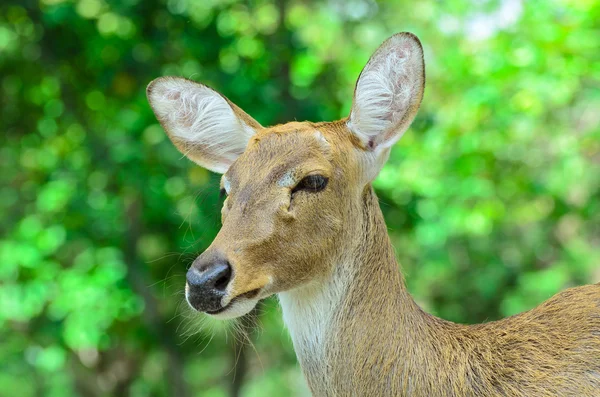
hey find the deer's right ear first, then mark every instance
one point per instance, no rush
(204, 125)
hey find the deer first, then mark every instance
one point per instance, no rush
(301, 220)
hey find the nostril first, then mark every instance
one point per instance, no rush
(213, 278)
(223, 278)
(207, 281)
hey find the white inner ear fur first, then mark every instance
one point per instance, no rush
(210, 132)
(388, 92)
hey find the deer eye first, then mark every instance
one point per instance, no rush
(222, 193)
(312, 184)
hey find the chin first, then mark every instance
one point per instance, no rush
(235, 309)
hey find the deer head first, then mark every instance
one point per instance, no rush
(294, 189)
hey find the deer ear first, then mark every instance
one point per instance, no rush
(388, 92)
(204, 125)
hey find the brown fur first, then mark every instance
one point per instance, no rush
(384, 344)
(329, 257)
(381, 342)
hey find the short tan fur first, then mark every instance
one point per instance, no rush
(326, 252)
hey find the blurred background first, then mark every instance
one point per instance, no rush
(492, 197)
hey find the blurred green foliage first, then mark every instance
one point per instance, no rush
(492, 197)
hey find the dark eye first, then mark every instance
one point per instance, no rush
(312, 184)
(222, 193)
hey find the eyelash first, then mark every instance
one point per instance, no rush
(311, 184)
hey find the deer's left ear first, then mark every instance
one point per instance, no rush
(388, 92)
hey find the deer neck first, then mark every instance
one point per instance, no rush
(361, 315)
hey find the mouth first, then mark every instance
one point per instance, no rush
(240, 300)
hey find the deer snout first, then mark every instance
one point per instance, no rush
(207, 282)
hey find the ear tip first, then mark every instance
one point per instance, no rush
(153, 88)
(416, 48)
(409, 38)
(157, 85)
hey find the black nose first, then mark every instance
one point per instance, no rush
(207, 281)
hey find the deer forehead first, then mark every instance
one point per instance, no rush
(282, 155)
